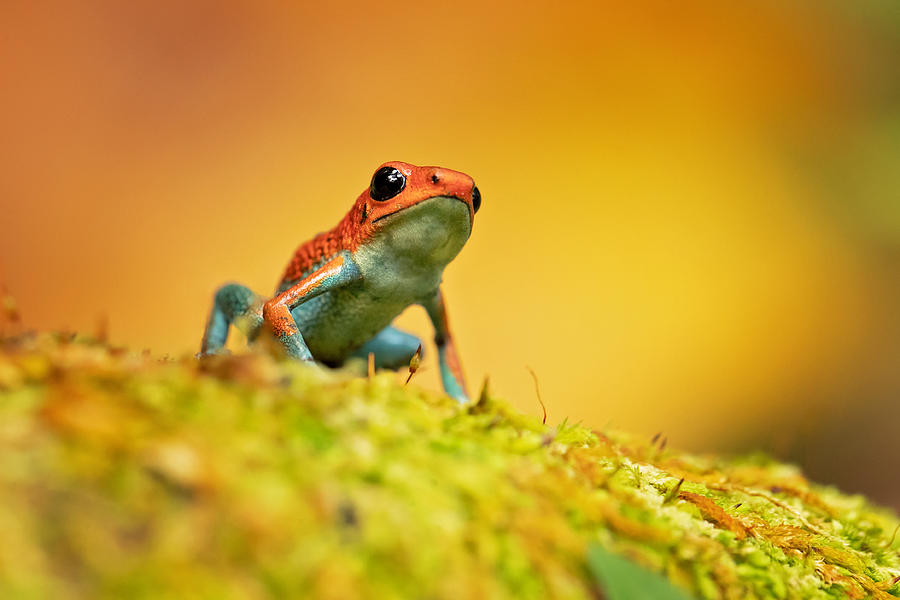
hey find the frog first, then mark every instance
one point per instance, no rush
(342, 290)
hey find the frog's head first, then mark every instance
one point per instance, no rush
(398, 186)
(426, 211)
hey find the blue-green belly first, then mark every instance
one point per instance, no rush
(340, 321)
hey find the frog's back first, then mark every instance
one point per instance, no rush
(346, 235)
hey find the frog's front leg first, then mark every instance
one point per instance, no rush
(451, 369)
(233, 304)
(337, 272)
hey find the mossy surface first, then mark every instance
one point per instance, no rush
(124, 476)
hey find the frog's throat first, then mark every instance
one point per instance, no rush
(430, 233)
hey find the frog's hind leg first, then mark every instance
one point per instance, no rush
(393, 349)
(234, 304)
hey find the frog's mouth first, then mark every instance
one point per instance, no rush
(423, 202)
(433, 220)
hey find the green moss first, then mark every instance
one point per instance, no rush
(242, 477)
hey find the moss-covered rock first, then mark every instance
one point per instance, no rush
(123, 476)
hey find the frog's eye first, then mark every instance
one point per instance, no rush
(386, 183)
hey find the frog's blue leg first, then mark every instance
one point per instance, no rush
(393, 349)
(337, 272)
(234, 304)
(451, 369)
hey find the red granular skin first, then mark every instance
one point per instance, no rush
(346, 235)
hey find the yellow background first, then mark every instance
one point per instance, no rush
(690, 219)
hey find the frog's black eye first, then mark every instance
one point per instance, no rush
(386, 183)
(476, 199)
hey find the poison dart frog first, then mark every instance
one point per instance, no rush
(343, 288)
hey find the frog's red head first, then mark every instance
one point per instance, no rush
(397, 186)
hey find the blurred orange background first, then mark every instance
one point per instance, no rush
(691, 218)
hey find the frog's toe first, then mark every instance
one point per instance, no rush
(461, 398)
(212, 353)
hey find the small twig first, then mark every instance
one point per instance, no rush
(102, 331)
(10, 309)
(775, 501)
(414, 363)
(673, 493)
(537, 390)
(894, 536)
(9, 312)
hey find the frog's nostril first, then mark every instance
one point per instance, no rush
(434, 178)
(476, 198)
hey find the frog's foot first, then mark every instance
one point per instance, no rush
(220, 352)
(234, 304)
(393, 349)
(451, 375)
